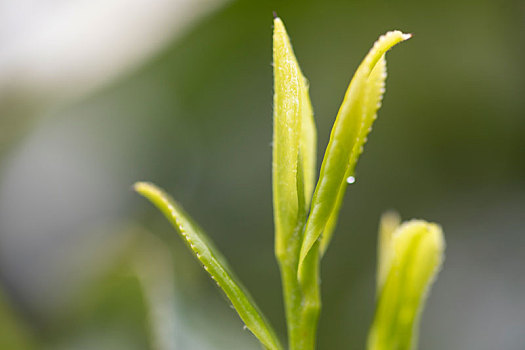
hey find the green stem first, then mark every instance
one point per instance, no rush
(302, 302)
(292, 301)
(311, 301)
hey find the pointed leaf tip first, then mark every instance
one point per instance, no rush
(351, 127)
(294, 143)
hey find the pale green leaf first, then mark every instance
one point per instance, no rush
(294, 168)
(213, 263)
(294, 142)
(375, 87)
(286, 131)
(348, 135)
(415, 257)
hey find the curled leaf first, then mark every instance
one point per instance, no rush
(348, 135)
(374, 90)
(213, 262)
(414, 256)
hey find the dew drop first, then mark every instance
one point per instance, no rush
(245, 327)
(350, 180)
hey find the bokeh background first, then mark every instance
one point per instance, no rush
(95, 95)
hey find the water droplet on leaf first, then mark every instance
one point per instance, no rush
(350, 180)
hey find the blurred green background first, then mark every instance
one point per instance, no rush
(97, 95)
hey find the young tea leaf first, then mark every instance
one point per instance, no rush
(294, 142)
(213, 263)
(348, 135)
(416, 253)
(373, 94)
(294, 167)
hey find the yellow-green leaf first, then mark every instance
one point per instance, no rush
(286, 128)
(294, 168)
(375, 87)
(213, 262)
(294, 141)
(348, 135)
(414, 256)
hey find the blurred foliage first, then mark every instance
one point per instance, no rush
(15, 334)
(448, 145)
